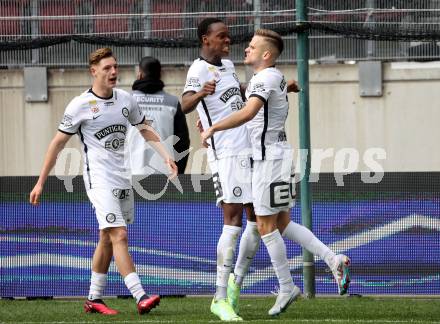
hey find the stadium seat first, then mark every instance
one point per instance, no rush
(114, 24)
(58, 26)
(158, 24)
(9, 9)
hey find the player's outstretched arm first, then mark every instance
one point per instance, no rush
(238, 118)
(191, 99)
(153, 138)
(55, 147)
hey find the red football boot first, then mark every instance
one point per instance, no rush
(98, 306)
(147, 303)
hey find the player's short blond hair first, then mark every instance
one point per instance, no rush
(273, 38)
(101, 53)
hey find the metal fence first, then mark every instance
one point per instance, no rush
(166, 19)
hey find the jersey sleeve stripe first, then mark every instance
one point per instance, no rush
(188, 91)
(141, 122)
(63, 131)
(263, 134)
(259, 97)
(205, 108)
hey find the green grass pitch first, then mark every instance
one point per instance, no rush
(254, 310)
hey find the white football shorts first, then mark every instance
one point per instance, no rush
(113, 207)
(273, 186)
(232, 179)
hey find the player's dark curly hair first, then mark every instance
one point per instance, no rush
(203, 27)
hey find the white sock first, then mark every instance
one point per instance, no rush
(133, 284)
(249, 245)
(98, 281)
(304, 237)
(277, 251)
(225, 257)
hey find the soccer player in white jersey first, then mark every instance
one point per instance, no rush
(272, 180)
(212, 87)
(100, 116)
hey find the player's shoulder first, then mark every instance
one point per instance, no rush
(84, 99)
(228, 63)
(269, 75)
(121, 94)
(198, 64)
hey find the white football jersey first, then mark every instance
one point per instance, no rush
(102, 124)
(267, 129)
(213, 108)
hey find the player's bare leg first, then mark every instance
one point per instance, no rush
(100, 264)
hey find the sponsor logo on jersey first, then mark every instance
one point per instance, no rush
(114, 144)
(236, 77)
(94, 117)
(228, 94)
(258, 87)
(282, 84)
(121, 193)
(282, 136)
(110, 130)
(237, 104)
(67, 120)
(125, 112)
(193, 82)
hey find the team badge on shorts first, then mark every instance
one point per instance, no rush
(237, 192)
(110, 218)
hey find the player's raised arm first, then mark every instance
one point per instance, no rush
(238, 118)
(55, 147)
(190, 99)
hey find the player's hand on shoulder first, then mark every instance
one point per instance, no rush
(34, 196)
(208, 88)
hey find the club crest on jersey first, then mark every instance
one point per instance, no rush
(228, 94)
(237, 192)
(94, 109)
(215, 72)
(110, 130)
(125, 112)
(110, 218)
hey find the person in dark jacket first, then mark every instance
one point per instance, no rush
(165, 115)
